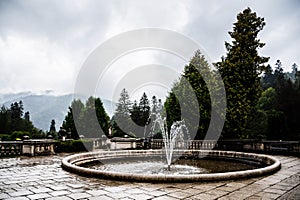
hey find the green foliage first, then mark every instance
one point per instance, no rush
(91, 119)
(121, 124)
(240, 70)
(18, 135)
(257, 125)
(282, 103)
(76, 109)
(52, 127)
(139, 114)
(13, 121)
(74, 146)
(190, 97)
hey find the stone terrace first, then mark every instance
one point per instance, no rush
(43, 178)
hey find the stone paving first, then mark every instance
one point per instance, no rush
(43, 178)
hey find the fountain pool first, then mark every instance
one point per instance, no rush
(80, 163)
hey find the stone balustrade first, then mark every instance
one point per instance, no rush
(26, 147)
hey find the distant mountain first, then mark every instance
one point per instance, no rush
(7, 97)
(44, 108)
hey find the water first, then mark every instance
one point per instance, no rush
(178, 132)
(146, 165)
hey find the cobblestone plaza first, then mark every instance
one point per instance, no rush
(43, 178)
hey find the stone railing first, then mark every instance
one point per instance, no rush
(26, 147)
(10, 148)
(264, 146)
(190, 144)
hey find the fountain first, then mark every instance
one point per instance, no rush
(139, 165)
(178, 129)
(152, 171)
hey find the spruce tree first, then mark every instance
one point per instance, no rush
(190, 97)
(240, 70)
(75, 109)
(121, 121)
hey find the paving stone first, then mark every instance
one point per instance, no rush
(293, 194)
(227, 188)
(238, 195)
(97, 192)
(17, 198)
(203, 196)
(59, 193)
(59, 198)
(179, 194)
(100, 198)
(79, 195)
(254, 197)
(114, 189)
(58, 187)
(44, 178)
(204, 188)
(275, 191)
(165, 197)
(38, 196)
(75, 186)
(21, 193)
(40, 190)
(141, 196)
(151, 187)
(117, 195)
(157, 193)
(3, 196)
(135, 191)
(217, 193)
(172, 189)
(267, 195)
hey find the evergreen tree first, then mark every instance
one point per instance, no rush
(52, 127)
(91, 119)
(122, 122)
(12, 122)
(140, 115)
(5, 120)
(76, 109)
(190, 97)
(240, 70)
(27, 116)
(90, 122)
(135, 112)
(144, 108)
(102, 117)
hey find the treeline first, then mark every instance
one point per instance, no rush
(133, 118)
(279, 103)
(14, 123)
(261, 103)
(90, 119)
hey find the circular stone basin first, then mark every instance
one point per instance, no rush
(89, 164)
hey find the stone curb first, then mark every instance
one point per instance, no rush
(72, 163)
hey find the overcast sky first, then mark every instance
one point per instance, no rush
(44, 43)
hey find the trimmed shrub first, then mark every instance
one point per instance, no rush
(74, 146)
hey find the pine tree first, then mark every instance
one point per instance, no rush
(76, 110)
(190, 97)
(135, 113)
(122, 122)
(102, 117)
(240, 70)
(144, 107)
(52, 127)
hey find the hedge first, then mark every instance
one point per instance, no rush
(74, 146)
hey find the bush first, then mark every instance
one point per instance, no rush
(18, 135)
(74, 146)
